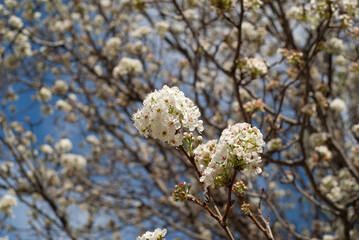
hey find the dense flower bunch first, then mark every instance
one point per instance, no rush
(158, 234)
(164, 113)
(237, 149)
(203, 154)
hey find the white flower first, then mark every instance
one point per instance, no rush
(63, 105)
(337, 105)
(63, 145)
(47, 149)
(6, 203)
(158, 234)
(16, 22)
(164, 113)
(127, 66)
(72, 97)
(44, 95)
(92, 140)
(73, 161)
(60, 87)
(98, 70)
(238, 148)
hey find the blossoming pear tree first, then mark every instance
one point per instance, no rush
(179, 119)
(167, 113)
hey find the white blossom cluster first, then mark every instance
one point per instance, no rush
(158, 234)
(238, 148)
(249, 31)
(112, 45)
(46, 148)
(63, 105)
(336, 45)
(324, 152)
(63, 145)
(16, 22)
(274, 144)
(164, 113)
(44, 95)
(141, 32)
(127, 66)
(317, 139)
(6, 203)
(339, 188)
(255, 66)
(60, 87)
(73, 161)
(162, 27)
(203, 154)
(337, 105)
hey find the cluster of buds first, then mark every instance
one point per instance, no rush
(181, 191)
(188, 137)
(190, 142)
(254, 106)
(240, 187)
(245, 208)
(291, 55)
